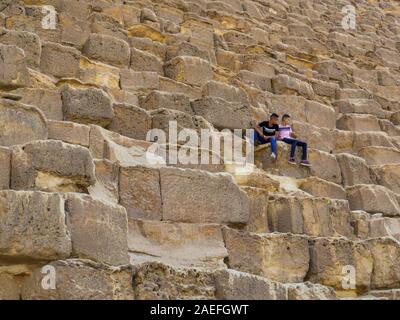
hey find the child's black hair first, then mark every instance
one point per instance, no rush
(274, 115)
(285, 116)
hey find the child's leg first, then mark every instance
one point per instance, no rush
(303, 145)
(272, 140)
(293, 143)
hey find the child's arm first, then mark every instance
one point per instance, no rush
(259, 131)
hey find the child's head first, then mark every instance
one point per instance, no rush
(286, 119)
(274, 118)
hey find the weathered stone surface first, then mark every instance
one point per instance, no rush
(9, 287)
(98, 229)
(322, 188)
(172, 283)
(20, 123)
(27, 41)
(386, 271)
(388, 175)
(131, 121)
(190, 70)
(310, 291)
(107, 49)
(354, 122)
(196, 196)
(13, 68)
(283, 84)
(48, 101)
(380, 155)
(69, 132)
(354, 170)
(224, 91)
(5, 168)
(136, 81)
(161, 99)
(106, 186)
(311, 216)
(182, 244)
(59, 61)
(87, 106)
(329, 256)
(373, 199)
(144, 61)
(81, 280)
(235, 285)
(33, 226)
(51, 166)
(140, 192)
(279, 257)
(223, 114)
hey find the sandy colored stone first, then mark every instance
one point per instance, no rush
(69, 132)
(5, 168)
(196, 196)
(13, 68)
(20, 123)
(322, 188)
(98, 229)
(33, 226)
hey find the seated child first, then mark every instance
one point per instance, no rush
(267, 132)
(287, 135)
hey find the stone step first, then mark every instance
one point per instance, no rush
(375, 155)
(356, 122)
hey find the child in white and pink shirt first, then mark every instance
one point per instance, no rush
(287, 135)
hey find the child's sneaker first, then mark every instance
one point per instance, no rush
(273, 156)
(292, 161)
(305, 163)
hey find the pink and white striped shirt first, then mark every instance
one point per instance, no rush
(285, 132)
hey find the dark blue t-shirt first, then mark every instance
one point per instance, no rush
(269, 130)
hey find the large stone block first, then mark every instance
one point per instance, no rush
(51, 166)
(20, 123)
(225, 91)
(183, 244)
(172, 283)
(140, 192)
(69, 132)
(309, 291)
(367, 139)
(190, 70)
(13, 69)
(136, 81)
(279, 257)
(27, 41)
(354, 169)
(322, 188)
(373, 199)
(283, 84)
(10, 287)
(223, 114)
(320, 115)
(98, 229)
(131, 121)
(144, 61)
(236, 285)
(198, 196)
(46, 100)
(258, 199)
(330, 256)
(87, 106)
(355, 122)
(81, 280)
(388, 175)
(380, 155)
(386, 271)
(59, 61)
(161, 99)
(33, 226)
(311, 216)
(107, 49)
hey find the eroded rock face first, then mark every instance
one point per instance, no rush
(195, 196)
(172, 283)
(13, 67)
(20, 123)
(80, 280)
(98, 229)
(51, 166)
(33, 226)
